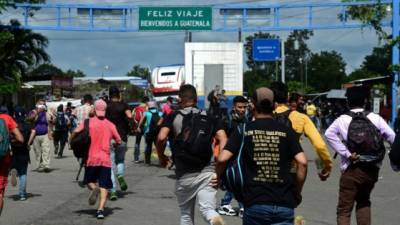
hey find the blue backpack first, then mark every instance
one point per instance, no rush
(4, 139)
(233, 179)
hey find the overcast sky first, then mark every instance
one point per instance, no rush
(91, 52)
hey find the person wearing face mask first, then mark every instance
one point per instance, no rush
(41, 136)
(235, 120)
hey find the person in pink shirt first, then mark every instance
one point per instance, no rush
(166, 109)
(98, 165)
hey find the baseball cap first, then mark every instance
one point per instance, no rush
(100, 107)
(41, 106)
(263, 93)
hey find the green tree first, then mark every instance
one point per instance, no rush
(326, 71)
(360, 73)
(46, 69)
(378, 61)
(22, 50)
(369, 15)
(296, 51)
(253, 80)
(72, 73)
(139, 71)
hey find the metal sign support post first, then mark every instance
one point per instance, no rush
(283, 61)
(395, 58)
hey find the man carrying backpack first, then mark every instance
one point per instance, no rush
(151, 121)
(8, 128)
(119, 114)
(357, 137)
(265, 150)
(98, 164)
(20, 154)
(301, 124)
(193, 131)
(60, 134)
(235, 120)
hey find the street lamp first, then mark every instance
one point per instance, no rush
(106, 67)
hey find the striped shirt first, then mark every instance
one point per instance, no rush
(82, 112)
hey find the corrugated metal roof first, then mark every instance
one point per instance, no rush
(337, 93)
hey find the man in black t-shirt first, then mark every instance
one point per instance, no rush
(119, 114)
(270, 191)
(193, 172)
(234, 120)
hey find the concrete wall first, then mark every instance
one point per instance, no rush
(230, 54)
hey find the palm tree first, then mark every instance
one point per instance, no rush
(20, 51)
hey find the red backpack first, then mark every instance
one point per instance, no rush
(138, 113)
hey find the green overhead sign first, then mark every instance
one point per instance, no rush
(175, 18)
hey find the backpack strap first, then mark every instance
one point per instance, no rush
(285, 113)
(86, 125)
(240, 153)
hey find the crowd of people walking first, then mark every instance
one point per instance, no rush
(252, 151)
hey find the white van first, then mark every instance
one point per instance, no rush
(166, 80)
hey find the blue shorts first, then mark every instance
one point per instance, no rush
(98, 174)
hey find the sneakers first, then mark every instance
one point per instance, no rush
(227, 210)
(113, 196)
(122, 183)
(47, 170)
(13, 177)
(94, 195)
(217, 220)
(100, 214)
(241, 212)
(22, 198)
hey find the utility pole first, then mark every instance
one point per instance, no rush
(283, 61)
(395, 56)
(240, 34)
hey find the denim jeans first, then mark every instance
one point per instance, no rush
(118, 162)
(149, 147)
(60, 139)
(20, 163)
(268, 214)
(227, 199)
(136, 152)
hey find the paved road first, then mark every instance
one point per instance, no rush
(55, 198)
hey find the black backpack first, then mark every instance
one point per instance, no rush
(80, 144)
(283, 118)
(194, 143)
(4, 139)
(153, 129)
(364, 138)
(233, 179)
(394, 154)
(61, 122)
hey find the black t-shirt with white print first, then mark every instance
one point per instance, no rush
(269, 149)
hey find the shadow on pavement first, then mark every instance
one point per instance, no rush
(107, 211)
(29, 195)
(122, 194)
(170, 176)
